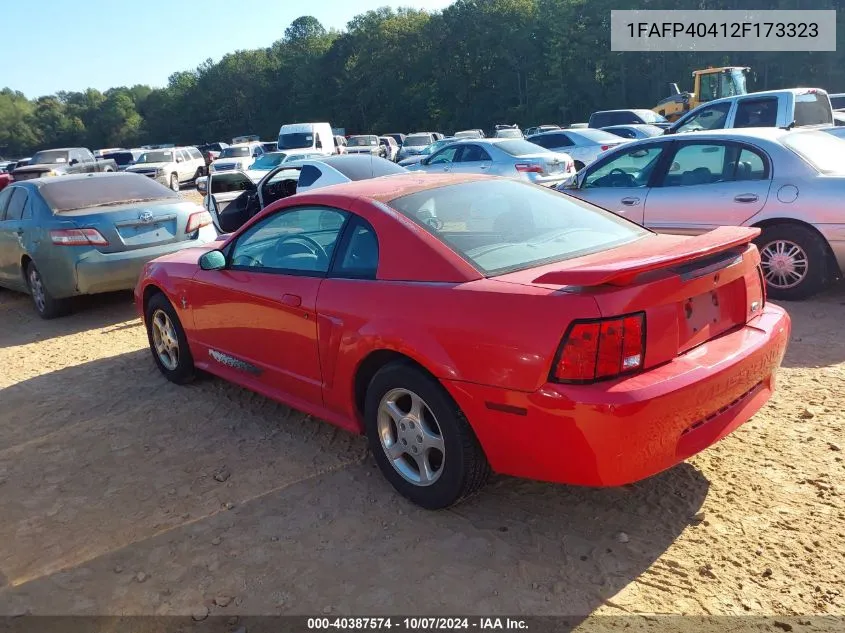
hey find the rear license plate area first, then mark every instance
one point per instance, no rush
(709, 314)
(153, 233)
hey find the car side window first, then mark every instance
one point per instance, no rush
(700, 164)
(757, 112)
(710, 118)
(751, 166)
(15, 209)
(297, 241)
(308, 175)
(5, 196)
(358, 254)
(474, 154)
(629, 169)
(445, 155)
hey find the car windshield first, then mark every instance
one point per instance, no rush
(155, 157)
(509, 133)
(595, 136)
(268, 161)
(417, 141)
(362, 141)
(521, 148)
(437, 145)
(651, 117)
(121, 158)
(49, 157)
(70, 194)
(504, 225)
(296, 140)
(822, 151)
(235, 152)
(467, 134)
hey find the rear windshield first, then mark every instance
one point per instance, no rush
(823, 151)
(234, 152)
(121, 158)
(595, 136)
(521, 148)
(417, 141)
(837, 102)
(296, 140)
(362, 141)
(155, 157)
(504, 225)
(50, 157)
(69, 194)
(813, 109)
(364, 167)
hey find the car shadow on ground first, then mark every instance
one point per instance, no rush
(125, 494)
(817, 339)
(87, 313)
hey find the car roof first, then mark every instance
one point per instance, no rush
(389, 188)
(764, 93)
(37, 182)
(636, 110)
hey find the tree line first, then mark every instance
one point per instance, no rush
(474, 64)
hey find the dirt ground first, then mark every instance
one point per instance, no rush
(124, 494)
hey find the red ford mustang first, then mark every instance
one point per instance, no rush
(470, 324)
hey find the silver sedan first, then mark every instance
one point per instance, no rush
(516, 158)
(584, 145)
(790, 184)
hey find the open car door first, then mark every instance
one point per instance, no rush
(231, 199)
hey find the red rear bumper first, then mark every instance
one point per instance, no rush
(624, 430)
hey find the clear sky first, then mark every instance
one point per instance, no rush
(105, 43)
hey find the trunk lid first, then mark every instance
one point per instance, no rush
(136, 225)
(691, 289)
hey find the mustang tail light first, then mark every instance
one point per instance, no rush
(600, 349)
(529, 168)
(78, 237)
(198, 220)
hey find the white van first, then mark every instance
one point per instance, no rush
(306, 138)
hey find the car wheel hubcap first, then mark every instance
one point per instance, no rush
(37, 290)
(410, 437)
(164, 340)
(785, 264)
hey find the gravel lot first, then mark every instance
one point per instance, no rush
(125, 494)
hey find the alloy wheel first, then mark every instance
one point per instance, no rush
(165, 341)
(411, 437)
(36, 287)
(785, 264)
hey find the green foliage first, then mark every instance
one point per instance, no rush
(476, 63)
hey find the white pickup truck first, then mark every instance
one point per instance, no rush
(798, 107)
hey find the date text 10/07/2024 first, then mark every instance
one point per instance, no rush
(402, 624)
(724, 29)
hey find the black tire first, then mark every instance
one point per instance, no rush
(464, 469)
(183, 372)
(174, 182)
(47, 306)
(814, 247)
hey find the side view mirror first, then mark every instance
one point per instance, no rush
(212, 260)
(73, 162)
(202, 186)
(178, 159)
(425, 161)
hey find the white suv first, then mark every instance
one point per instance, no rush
(237, 157)
(170, 166)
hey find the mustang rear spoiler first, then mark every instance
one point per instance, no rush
(647, 255)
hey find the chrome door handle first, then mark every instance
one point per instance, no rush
(746, 197)
(630, 202)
